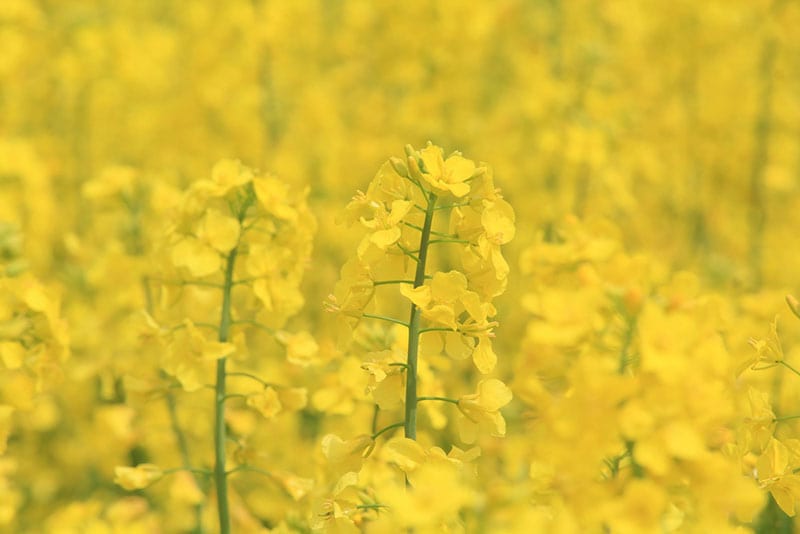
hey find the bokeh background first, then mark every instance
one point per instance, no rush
(666, 132)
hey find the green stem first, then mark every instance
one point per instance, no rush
(407, 252)
(371, 506)
(220, 478)
(193, 470)
(256, 324)
(443, 399)
(386, 282)
(786, 418)
(387, 429)
(186, 282)
(250, 469)
(448, 206)
(384, 318)
(792, 369)
(437, 329)
(252, 377)
(413, 326)
(432, 241)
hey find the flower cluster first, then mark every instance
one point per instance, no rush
(420, 211)
(228, 275)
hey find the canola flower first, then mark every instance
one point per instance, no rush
(246, 238)
(648, 389)
(403, 213)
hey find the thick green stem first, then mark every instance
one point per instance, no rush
(413, 326)
(220, 476)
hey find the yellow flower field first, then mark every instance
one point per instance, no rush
(316, 266)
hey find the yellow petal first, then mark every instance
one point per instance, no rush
(400, 209)
(458, 168)
(441, 314)
(494, 394)
(200, 259)
(293, 398)
(433, 157)
(784, 498)
(383, 239)
(274, 197)
(448, 287)
(459, 189)
(497, 220)
(483, 356)
(220, 231)
(294, 485)
(421, 296)
(12, 354)
(139, 477)
(228, 174)
(458, 346)
(214, 350)
(301, 348)
(406, 453)
(266, 402)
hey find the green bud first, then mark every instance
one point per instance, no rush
(399, 167)
(413, 168)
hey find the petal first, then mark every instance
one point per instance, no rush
(200, 259)
(458, 168)
(421, 296)
(448, 287)
(497, 220)
(266, 402)
(784, 498)
(441, 314)
(220, 231)
(458, 189)
(383, 239)
(405, 452)
(493, 394)
(433, 157)
(400, 209)
(483, 356)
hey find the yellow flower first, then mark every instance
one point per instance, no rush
(274, 197)
(220, 231)
(484, 406)
(444, 175)
(139, 477)
(769, 351)
(760, 424)
(197, 257)
(347, 455)
(775, 473)
(301, 348)
(266, 402)
(294, 485)
(226, 175)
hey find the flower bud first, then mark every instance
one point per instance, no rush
(399, 167)
(794, 305)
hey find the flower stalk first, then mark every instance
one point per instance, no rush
(220, 475)
(414, 324)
